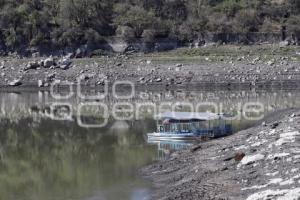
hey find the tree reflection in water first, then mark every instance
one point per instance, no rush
(59, 160)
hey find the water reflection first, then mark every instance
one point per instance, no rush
(59, 160)
(42, 158)
(166, 148)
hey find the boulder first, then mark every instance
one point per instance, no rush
(40, 83)
(69, 55)
(16, 82)
(158, 80)
(81, 52)
(284, 43)
(252, 159)
(64, 63)
(64, 67)
(48, 62)
(239, 157)
(36, 55)
(50, 77)
(270, 63)
(32, 65)
(118, 45)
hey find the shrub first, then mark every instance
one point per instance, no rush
(293, 25)
(72, 22)
(246, 21)
(136, 18)
(229, 7)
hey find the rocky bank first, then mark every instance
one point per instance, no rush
(256, 164)
(144, 70)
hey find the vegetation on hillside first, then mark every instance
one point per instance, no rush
(67, 22)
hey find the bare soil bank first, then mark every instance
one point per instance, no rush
(259, 163)
(225, 66)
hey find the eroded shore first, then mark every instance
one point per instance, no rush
(225, 66)
(259, 163)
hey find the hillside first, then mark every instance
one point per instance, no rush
(66, 23)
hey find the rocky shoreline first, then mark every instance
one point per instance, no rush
(255, 164)
(250, 70)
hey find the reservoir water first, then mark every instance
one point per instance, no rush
(51, 149)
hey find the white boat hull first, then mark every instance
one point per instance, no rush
(162, 137)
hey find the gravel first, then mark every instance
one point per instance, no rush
(147, 72)
(254, 164)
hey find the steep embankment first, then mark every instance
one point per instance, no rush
(255, 164)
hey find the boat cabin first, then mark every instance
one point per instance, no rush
(197, 124)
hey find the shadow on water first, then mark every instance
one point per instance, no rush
(42, 158)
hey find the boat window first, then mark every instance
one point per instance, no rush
(195, 125)
(175, 127)
(186, 127)
(161, 129)
(204, 125)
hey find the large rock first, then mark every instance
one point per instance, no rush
(65, 63)
(36, 55)
(252, 159)
(40, 83)
(32, 65)
(16, 82)
(70, 55)
(118, 45)
(2, 65)
(81, 52)
(284, 43)
(48, 62)
(64, 67)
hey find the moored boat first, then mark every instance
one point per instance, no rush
(190, 126)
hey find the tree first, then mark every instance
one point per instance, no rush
(135, 17)
(247, 21)
(293, 25)
(62, 23)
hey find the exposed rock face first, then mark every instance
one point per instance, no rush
(268, 168)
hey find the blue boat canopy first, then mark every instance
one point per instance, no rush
(205, 116)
